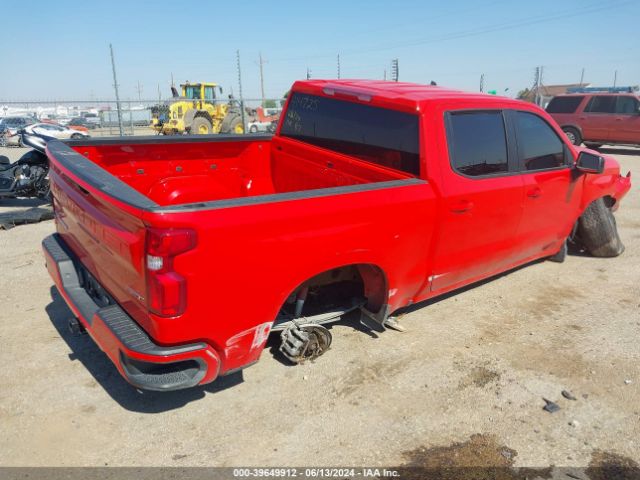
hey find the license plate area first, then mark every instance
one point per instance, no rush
(93, 288)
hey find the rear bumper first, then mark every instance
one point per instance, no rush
(139, 360)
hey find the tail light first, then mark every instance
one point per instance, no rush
(167, 289)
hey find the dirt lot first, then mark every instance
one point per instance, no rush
(465, 381)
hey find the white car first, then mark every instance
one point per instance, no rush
(56, 131)
(255, 127)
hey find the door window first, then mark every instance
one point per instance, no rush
(539, 146)
(601, 104)
(477, 143)
(209, 93)
(626, 106)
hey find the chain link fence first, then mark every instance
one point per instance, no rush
(162, 116)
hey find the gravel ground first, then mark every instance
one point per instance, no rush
(469, 375)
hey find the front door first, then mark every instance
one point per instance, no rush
(482, 201)
(550, 185)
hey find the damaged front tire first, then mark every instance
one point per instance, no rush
(598, 231)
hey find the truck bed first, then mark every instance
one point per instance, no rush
(176, 171)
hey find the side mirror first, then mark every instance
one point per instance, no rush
(590, 163)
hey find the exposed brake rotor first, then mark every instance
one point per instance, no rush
(301, 342)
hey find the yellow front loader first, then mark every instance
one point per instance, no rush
(197, 111)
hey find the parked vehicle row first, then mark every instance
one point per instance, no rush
(180, 255)
(10, 128)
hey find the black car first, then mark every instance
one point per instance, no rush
(81, 122)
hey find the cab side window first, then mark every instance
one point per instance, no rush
(626, 106)
(601, 104)
(477, 143)
(539, 147)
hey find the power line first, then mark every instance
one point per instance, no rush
(593, 8)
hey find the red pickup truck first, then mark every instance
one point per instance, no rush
(180, 255)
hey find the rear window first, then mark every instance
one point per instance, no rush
(564, 104)
(384, 137)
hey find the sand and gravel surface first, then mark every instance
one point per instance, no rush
(468, 376)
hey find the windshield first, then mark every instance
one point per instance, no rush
(192, 92)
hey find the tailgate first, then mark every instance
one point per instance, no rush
(106, 233)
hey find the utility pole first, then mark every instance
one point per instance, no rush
(338, 66)
(139, 89)
(482, 83)
(115, 86)
(244, 126)
(582, 77)
(308, 74)
(538, 85)
(395, 70)
(615, 78)
(261, 62)
(172, 82)
(385, 75)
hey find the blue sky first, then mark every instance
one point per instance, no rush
(60, 49)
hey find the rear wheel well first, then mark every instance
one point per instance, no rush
(203, 113)
(340, 285)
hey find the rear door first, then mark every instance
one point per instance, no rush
(483, 198)
(626, 124)
(598, 117)
(551, 199)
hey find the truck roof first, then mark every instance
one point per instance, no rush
(411, 95)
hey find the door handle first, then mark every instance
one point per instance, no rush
(534, 192)
(462, 206)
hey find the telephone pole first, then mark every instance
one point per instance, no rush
(139, 89)
(115, 86)
(582, 77)
(537, 85)
(261, 62)
(244, 125)
(615, 78)
(338, 66)
(482, 83)
(308, 74)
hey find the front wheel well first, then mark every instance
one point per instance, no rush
(609, 201)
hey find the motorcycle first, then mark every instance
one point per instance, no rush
(29, 176)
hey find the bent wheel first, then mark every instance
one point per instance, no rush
(304, 342)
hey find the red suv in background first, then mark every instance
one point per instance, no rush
(598, 118)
